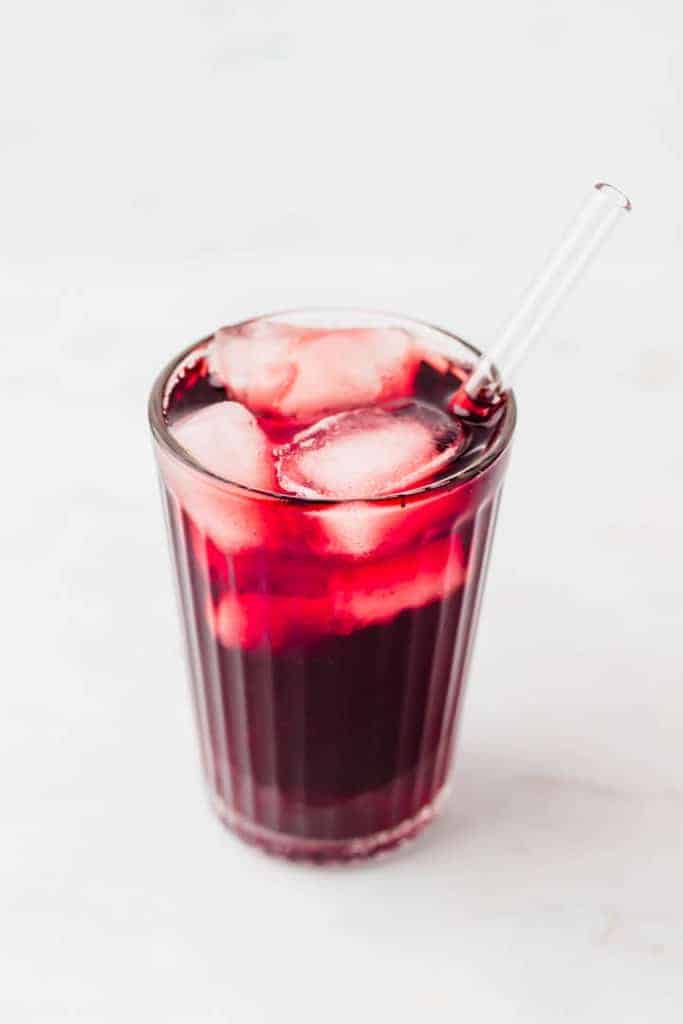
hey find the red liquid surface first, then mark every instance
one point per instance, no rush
(328, 675)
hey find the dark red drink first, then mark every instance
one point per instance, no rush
(331, 522)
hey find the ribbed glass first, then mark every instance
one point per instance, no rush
(327, 686)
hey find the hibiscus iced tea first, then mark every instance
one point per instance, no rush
(330, 511)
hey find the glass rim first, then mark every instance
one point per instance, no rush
(164, 437)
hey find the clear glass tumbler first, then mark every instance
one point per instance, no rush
(328, 642)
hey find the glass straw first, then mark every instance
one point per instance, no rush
(493, 372)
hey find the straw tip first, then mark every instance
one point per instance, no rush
(618, 197)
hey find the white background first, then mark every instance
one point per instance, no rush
(167, 167)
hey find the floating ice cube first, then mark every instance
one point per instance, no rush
(255, 362)
(304, 373)
(366, 453)
(226, 439)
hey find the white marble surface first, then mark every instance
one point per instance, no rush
(167, 167)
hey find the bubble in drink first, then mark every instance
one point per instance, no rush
(366, 453)
(304, 373)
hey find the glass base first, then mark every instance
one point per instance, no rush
(321, 851)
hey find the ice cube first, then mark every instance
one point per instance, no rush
(267, 620)
(359, 529)
(255, 362)
(366, 453)
(226, 439)
(304, 373)
(356, 595)
(375, 591)
(349, 369)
